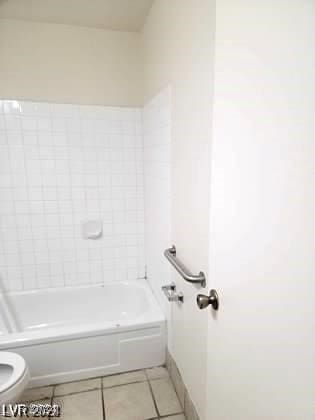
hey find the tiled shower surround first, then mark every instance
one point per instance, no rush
(61, 165)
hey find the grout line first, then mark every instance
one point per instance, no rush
(83, 391)
(70, 382)
(96, 389)
(152, 394)
(159, 378)
(172, 415)
(52, 401)
(103, 404)
(127, 383)
(91, 389)
(90, 378)
(52, 395)
(121, 373)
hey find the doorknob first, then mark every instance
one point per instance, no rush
(203, 301)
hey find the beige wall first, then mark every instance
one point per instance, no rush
(178, 50)
(68, 64)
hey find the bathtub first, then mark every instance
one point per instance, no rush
(68, 334)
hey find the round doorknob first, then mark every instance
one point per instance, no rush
(203, 301)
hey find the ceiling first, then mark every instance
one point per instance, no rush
(117, 15)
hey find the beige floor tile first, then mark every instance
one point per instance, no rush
(157, 373)
(79, 386)
(124, 378)
(165, 397)
(129, 402)
(36, 394)
(85, 406)
(178, 417)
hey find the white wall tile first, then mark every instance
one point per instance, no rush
(59, 166)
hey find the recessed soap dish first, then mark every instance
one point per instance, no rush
(92, 229)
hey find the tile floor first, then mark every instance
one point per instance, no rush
(140, 395)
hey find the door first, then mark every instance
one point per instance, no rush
(261, 342)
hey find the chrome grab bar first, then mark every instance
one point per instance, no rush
(200, 278)
(170, 292)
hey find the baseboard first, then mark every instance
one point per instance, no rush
(181, 390)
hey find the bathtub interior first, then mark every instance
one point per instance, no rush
(60, 307)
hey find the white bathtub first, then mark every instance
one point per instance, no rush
(76, 333)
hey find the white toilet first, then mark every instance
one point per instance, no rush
(14, 377)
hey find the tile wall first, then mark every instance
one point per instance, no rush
(61, 165)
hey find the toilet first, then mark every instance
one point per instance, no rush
(14, 377)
